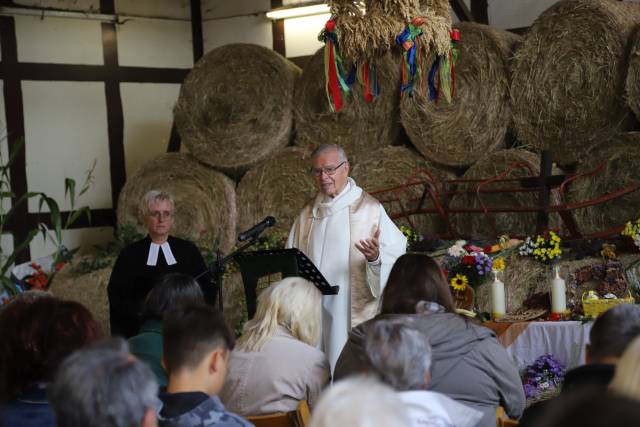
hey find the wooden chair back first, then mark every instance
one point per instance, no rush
(502, 420)
(298, 418)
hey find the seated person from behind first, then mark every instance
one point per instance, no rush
(141, 264)
(400, 356)
(173, 292)
(275, 363)
(610, 335)
(197, 345)
(360, 402)
(469, 365)
(36, 335)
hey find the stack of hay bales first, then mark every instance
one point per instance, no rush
(477, 119)
(205, 200)
(632, 83)
(279, 186)
(234, 108)
(360, 126)
(392, 166)
(568, 77)
(620, 157)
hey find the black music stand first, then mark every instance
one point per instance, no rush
(289, 262)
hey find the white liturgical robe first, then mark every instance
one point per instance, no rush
(326, 231)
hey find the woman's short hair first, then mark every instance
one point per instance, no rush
(37, 335)
(152, 197)
(399, 354)
(626, 381)
(360, 402)
(293, 303)
(172, 292)
(415, 277)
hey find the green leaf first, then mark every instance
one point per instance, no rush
(77, 214)
(19, 248)
(70, 189)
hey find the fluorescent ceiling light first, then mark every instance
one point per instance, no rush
(298, 11)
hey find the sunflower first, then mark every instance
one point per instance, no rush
(499, 264)
(460, 282)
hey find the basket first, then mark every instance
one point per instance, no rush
(594, 308)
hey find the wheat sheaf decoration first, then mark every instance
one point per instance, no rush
(359, 33)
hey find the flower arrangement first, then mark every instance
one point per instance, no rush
(632, 230)
(544, 248)
(541, 380)
(411, 235)
(40, 279)
(466, 265)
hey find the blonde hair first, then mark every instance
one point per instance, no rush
(151, 197)
(293, 303)
(626, 381)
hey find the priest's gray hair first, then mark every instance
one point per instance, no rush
(360, 402)
(399, 354)
(293, 303)
(103, 385)
(323, 148)
(152, 197)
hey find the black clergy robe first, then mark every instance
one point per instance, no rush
(132, 279)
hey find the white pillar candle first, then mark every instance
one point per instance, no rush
(498, 301)
(558, 292)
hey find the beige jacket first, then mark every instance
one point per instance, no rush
(276, 378)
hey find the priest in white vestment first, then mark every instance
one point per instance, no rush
(353, 242)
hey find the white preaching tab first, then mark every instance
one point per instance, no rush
(154, 249)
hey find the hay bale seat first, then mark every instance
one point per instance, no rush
(477, 120)
(392, 166)
(89, 289)
(477, 225)
(620, 156)
(568, 77)
(524, 276)
(205, 210)
(234, 107)
(279, 186)
(360, 127)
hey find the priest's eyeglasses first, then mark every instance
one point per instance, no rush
(160, 215)
(329, 170)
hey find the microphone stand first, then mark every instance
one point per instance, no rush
(218, 267)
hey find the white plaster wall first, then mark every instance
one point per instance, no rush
(148, 115)
(4, 145)
(167, 8)
(65, 131)
(301, 35)
(84, 5)
(57, 40)
(80, 237)
(247, 29)
(155, 43)
(506, 14)
(226, 9)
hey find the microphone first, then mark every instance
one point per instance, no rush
(257, 229)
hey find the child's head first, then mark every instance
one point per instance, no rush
(196, 340)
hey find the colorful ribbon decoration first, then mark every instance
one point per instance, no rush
(368, 78)
(409, 40)
(338, 86)
(441, 78)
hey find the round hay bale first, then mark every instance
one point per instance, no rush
(392, 166)
(620, 157)
(234, 107)
(205, 200)
(568, 76)
(360, 127)
(478, 225)
(632, 83)
(89, 289)
(279, 186)
(477, 119)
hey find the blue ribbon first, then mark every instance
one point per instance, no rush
(433, 91)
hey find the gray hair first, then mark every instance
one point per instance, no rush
(323, 148)
(360, 402)
(613, 331)
(151, 197)
(102, 385)
(399, 354)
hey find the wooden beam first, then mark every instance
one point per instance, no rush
(196, 30)
(277, 30)
(480, 11)
(461, 10)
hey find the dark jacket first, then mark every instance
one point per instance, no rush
(468, 363)
(31, 409)
(147, 346)
(196, 409)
